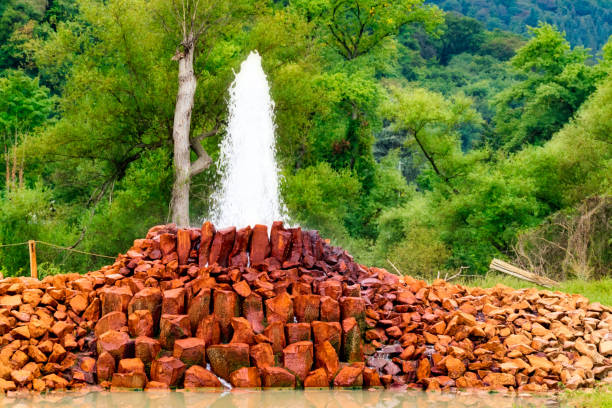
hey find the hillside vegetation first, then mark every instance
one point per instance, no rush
(408, 135)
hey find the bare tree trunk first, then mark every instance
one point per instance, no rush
(180, 134)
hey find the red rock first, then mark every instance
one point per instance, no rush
(280, 241)
(110, 321)
(190, 350)
(280, 308)
(243, 333)
(353, 307)
(327, 331)
(208, 233)
(245, 377)
(199, 377)
(330, 309)
(167, 244)
(140, 323)
(262, 355)
(277, 377)
(454, 367)
(260, 245)
(92, 313)
(105, 366)
(146, 348)
(183, 245)
(168, 370)
(131, 365)
(352, 345)
(331, 288)
(238, 256)
(242, 288)
(173, 301)
(371, 378)
(147, 299)
(209, 330)
(350, 376)
(306, 307)
(115, 299)
(252, 310)
(113, 342)
(424, 370)
(327, 358)
(225, 306)
(173, 327)
(222, 244)
(316, 379)
(79, 302)
(198, 308)
(227, 358)
(298, 332)
(276, 333)
(298, 358)
(156, 386)
(296, 248)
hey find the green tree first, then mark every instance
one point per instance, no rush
(559, 81)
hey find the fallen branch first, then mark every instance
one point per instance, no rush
(505, 267)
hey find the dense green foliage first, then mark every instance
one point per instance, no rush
(405, 134)
(587, 22)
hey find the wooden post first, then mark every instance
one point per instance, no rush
(33, 266)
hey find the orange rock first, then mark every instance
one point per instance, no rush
(146, 348)
(316, 379)
(209, 330)
(183, 247)
(243, 333)
(454, 367)
(262, 355)
(327, 358)
(298, 332)
(147, 299)
(173, 301)
(198, 308)
(105, 366)
(227, 358)
(208, 233)
(222, 244)
(113, 342)
(115, 299)
(168, 370)
(242, 288)
(276, 333)
(497, 380)
(199, 377)
(280, 308)
(298, 358)
(173, 327)
(260, 245)
(306, 307)
(350, 376)
(277, 377)
(136, 380)
(424, 370)
(245, 377)
(110, 321)
(330, 309)
(140, 323)
(225, 306)
(189, 350)
(327, 331)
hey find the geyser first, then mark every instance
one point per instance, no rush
(248, 193)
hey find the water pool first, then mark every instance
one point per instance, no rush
(275, 399)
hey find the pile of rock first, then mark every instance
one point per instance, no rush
(200, 308)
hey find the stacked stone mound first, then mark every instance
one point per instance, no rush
(200, 308)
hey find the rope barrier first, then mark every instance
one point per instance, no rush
(74, 250)
(58, 247)
(11, 245)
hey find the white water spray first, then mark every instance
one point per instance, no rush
(248, 193)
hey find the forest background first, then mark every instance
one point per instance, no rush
(431, 136)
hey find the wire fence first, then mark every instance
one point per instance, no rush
(32, 251)
(58, 247)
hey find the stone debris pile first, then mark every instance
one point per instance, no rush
(207, 308)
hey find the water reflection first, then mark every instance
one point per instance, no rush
(275, 399)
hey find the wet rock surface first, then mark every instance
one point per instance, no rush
(200, 308)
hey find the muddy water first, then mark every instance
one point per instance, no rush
(275, 399)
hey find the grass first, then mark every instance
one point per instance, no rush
(595, 397)
(595, 290)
